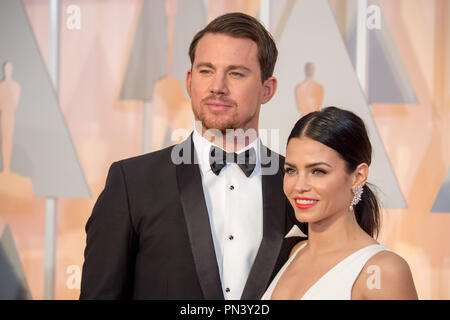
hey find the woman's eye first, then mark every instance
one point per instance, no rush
(289, 170)
(318, 172)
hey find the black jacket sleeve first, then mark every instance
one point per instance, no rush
(111, 243)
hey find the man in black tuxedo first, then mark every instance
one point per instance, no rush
(207, 218)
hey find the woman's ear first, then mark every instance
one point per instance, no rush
(360, 175)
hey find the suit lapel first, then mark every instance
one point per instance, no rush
(273, 227)
(197, 220)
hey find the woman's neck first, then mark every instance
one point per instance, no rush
(334, 233)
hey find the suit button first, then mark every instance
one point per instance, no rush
(227, 289)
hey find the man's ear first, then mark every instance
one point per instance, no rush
(188, 81)
(269, 89)
(361, 174)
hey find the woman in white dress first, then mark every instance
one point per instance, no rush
(326, 169)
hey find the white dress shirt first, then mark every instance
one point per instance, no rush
(235, 209)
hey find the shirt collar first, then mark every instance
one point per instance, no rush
(202, 147)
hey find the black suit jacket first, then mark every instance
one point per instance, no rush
(149, 235)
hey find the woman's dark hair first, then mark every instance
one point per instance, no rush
(344, 132)
(241, 25)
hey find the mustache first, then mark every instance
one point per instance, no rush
(218, 98)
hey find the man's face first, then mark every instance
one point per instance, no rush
(225, 83)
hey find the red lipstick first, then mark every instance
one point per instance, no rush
(305, 203)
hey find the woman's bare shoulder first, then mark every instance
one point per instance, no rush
(385, 276)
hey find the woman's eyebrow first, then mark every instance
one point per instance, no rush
(309, 165)
(317, 164)
(289, 165)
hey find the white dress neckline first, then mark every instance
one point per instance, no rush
(268, 294)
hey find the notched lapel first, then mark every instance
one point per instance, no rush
(273, 227)
(197, 221)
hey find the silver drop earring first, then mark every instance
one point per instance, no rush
(357, 193)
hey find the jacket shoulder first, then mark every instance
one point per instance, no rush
(159, 157)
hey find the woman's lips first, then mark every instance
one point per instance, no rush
(305, 203)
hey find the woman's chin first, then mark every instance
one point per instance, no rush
(304, 218)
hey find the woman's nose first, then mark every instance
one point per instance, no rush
(302, 184)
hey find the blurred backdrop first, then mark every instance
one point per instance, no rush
(111, 86)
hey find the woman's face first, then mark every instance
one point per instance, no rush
(316, 181)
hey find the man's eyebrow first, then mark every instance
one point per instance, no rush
(230, 67)
(203, 65)
(238, 66)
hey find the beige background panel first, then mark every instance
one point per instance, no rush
(105, 129)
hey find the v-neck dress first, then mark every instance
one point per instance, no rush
(336, 283)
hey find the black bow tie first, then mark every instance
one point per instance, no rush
(219, 158)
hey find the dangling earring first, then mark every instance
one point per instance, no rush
(357, 193)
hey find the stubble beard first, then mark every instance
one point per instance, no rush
(221, 121)
(212, 122)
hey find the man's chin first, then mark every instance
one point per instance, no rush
(215, 125)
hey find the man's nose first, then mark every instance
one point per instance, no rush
(219, 85)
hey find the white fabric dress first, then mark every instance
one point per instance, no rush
(338, 282)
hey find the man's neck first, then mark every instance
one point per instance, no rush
(232, 140)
